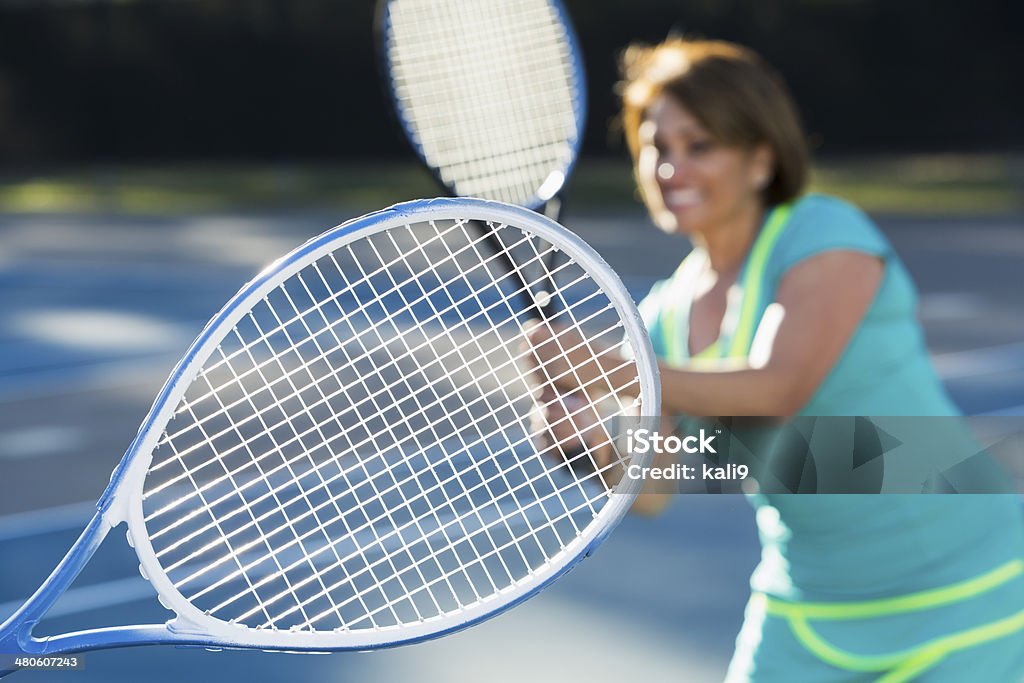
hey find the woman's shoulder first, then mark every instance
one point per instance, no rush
(819, 222)
(829, 211)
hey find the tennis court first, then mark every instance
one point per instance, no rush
(100, 307)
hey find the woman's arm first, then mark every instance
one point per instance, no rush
(819, 305)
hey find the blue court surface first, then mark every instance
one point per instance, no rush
(96, 311)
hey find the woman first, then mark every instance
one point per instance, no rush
(793, 304)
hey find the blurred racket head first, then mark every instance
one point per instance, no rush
(491, 93)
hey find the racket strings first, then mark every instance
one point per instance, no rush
(525, 36)
(245, 347)
(518, 358)
(321, 528)
(368, 525)
(254, 458)
(307, 535)
(209, 505)
(268, 385)
(335, 295)
(378, 493)
(448, 503)
(427, 585)
(257, 500)
(417, 564)
(234, 557)
(176, 503)
(303, 367)
(216, 482)
(489, 92)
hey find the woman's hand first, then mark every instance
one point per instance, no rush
(577, 384)
(565, 419)
(569, 427)
(562, 358)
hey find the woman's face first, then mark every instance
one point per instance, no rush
(690, 181)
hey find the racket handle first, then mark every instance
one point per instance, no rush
(553, 209)
(550, 308)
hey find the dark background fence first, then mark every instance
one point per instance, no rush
(162, 80)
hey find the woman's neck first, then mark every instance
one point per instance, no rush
(729, 242)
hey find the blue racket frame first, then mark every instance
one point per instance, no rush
(115, 505)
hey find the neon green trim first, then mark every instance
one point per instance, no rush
(753, 280)
(932, 651)
(670, 317)
(677, 349)
(913, 667)
(670, 327)
(914, 602)
(842, 659)
(711, 351)
(902, 665)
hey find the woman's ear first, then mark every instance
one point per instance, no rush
(762, 167)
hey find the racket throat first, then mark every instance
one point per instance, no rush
(16, 633)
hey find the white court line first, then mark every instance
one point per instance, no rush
(988, 360)
(1014, 411)
(85, 377)
(91, 597)
(74, 600)
(45, 521)
(38, 440)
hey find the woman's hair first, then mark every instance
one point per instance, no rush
(731, 91)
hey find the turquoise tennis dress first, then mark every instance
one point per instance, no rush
(862, 587)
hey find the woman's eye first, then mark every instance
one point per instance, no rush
(701, 146)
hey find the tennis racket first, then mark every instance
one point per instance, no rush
(492, 96)
(344, 458)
